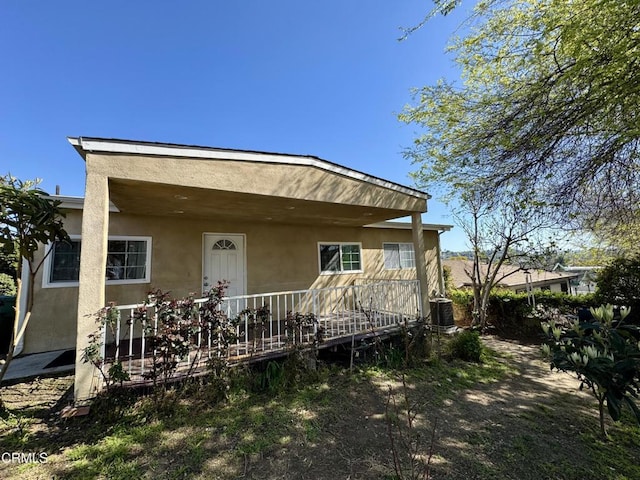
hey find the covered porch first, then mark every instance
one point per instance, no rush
(183, 201)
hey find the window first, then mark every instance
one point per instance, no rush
(128, 261)
(224, 244)
(65, 262)
(398, 255)
(340, 257)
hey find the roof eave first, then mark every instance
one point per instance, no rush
(76, 203)
(408, 226)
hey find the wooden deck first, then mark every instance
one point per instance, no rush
(344, 327)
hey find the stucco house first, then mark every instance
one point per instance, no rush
(180, 218)
(585, 276)
(513, 277)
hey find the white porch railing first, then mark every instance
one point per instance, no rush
(340, 312)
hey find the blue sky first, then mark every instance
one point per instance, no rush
(324, 78)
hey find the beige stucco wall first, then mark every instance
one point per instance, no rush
(255, 178)
(279, 257)
(555, 287)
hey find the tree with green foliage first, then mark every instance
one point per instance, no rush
(29, 219)
(547, 106)
(500, 234)
(604, 354)
(8, 263)
(589, 256)
(619, 283)
(8, 273)
(7, 285)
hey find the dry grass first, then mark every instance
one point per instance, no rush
(508, 418)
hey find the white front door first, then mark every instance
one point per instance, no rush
(224, 260)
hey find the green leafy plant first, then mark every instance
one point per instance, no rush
(107, 318)
(303, 329)
(8, 262)
(619, 283)
(28, 220)
(272, 379)
(174, 330)
(173, 340)
(605, 356)
(7, 285)
(466, 345)
(510, 312)
(257, 322)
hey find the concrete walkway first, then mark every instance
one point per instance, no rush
(34, 366)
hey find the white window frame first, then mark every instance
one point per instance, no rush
(48, 264)
(399, 267)
(340, 272)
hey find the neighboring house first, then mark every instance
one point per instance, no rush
(516, 279)
(180, 218)
(585, 281)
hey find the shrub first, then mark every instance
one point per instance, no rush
(448, 279)
(7, 285)
(171, 329)
(466, 346)
(510, 312)
(605, 356)
(461, 296)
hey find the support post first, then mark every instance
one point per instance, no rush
(421, 264)
(91, 290)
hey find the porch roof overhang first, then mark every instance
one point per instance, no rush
(397, 225)
(177, 180)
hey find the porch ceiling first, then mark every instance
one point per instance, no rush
(146, 198)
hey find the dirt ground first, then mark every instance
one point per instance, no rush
(531, 424)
